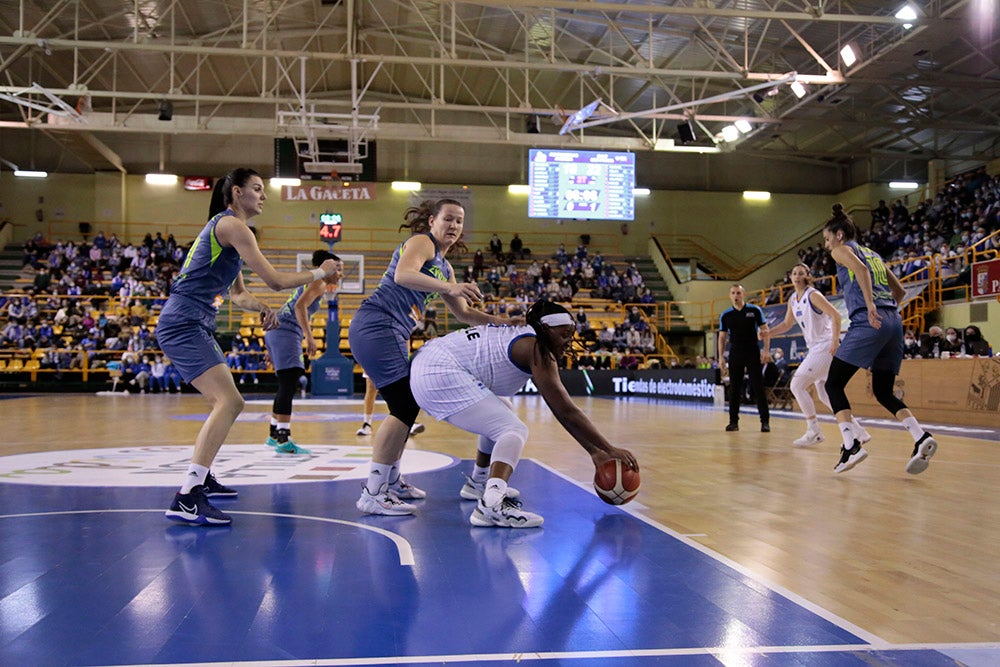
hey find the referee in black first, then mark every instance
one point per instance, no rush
(739, 326)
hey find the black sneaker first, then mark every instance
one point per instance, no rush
(733, 426)
(850, 457)
(765, 427)
(214, 489)
(193, 508)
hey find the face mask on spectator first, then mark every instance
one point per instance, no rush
(952, 338)
(909, 340)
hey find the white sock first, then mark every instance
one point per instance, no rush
(811, 424)
(195, 475)
(274, 422)
(913, 426)
(286, 426)
(378, 478)
(847, 433)
(496, 489)
(480, 474)
(394, 473)
(858, 428)
(368, 419)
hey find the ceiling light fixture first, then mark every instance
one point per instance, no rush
(161, 179)
(743, 126)
(848, 56)
(518, 189)
(756, 195)
(406, 186)
(798, 89)
(278, 182)
(903, 185)
(30, 173)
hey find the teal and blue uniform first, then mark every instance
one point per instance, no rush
(863, 345)
(284, 343)
(186, 327)
(380, 330)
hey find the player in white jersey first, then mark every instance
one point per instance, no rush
(464, 378)
(820, 323)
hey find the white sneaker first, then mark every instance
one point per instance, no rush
(473, 490)
(416, 429)
(402, 489)
(385, 503)
(506, 514)
(850, 457)
(366, 429)
(923, 450)
(811, 437)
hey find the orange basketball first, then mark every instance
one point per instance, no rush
(615, 482)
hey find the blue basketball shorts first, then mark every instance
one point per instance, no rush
(190, 345)
(876, 349)
(285, 348)
(377, 344)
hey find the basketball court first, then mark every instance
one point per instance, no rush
(739, 550)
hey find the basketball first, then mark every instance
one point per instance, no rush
(615, 482)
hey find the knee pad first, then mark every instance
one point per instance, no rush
(882, 384)
(288, 380)
(508, 447)
(399, 399)
(840, 374)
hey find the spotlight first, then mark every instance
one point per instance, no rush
(798, 89)
(743, 126)
(848, 56)
(758, 97)
(531, 124)
(166, 110)
(730, 133)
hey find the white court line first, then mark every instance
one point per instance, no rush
(721, 652)
(402, 545)
(799, 600)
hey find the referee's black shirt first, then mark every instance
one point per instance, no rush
(742, 325)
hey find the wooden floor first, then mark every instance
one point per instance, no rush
(910, 559)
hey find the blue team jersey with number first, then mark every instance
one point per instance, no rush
(854, 299)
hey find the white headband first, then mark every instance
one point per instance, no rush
(557, 319)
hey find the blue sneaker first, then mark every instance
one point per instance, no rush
(285, 444)
(271, 441)
(193, 508)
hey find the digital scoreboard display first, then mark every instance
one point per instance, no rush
(581, 185)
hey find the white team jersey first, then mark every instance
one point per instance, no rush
(817, 326)
(450, 373)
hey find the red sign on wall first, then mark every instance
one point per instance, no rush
(986, 278)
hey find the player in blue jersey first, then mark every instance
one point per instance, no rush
(380, 332)
(186, 327)
(284, 344)
(874, 340)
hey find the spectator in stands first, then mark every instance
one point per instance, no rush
(187, 324)
(582, 321)
(517, 248)
(630, 360)
(911, 346)
(952, 342)
(973, 344)
(933, 343)
(478, 265)
(496, 247)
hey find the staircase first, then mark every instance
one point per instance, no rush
(10, 267)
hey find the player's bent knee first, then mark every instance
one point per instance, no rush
(399, 399)
(510, 444)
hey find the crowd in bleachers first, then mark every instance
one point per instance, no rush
(962, 216)
(86, 300)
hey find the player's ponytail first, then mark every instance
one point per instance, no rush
(841, 222)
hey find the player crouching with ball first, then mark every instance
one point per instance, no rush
(465, 379)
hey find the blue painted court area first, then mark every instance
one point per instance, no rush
(97, 576)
